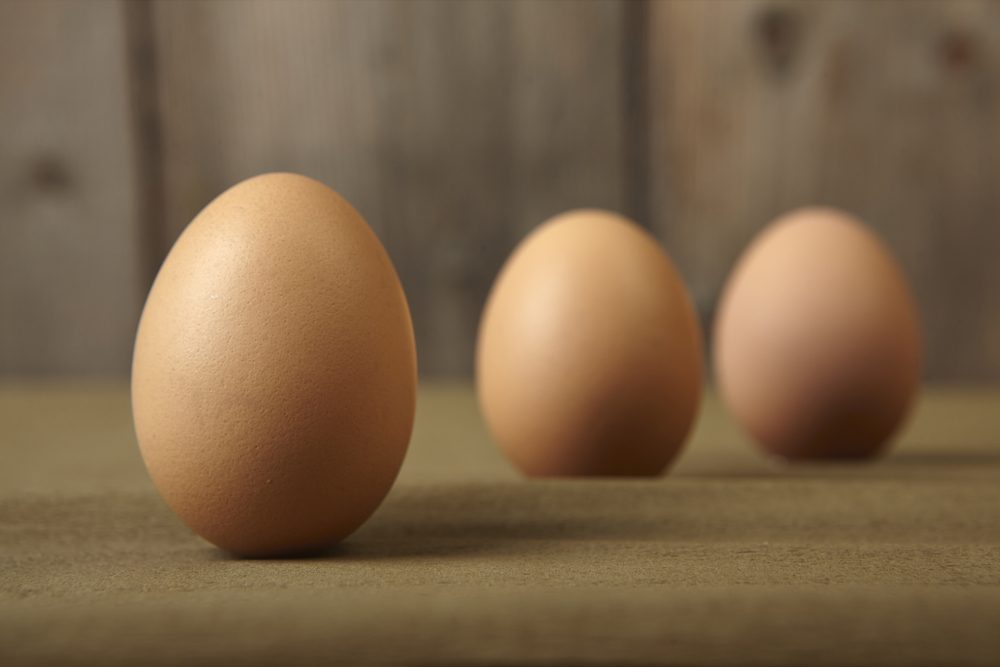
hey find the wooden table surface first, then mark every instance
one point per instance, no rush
(731, 559)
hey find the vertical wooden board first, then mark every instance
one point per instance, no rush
(453, 127)
(569, 135)
(886, 109)
(69, 260)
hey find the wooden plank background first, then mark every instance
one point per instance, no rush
(70, 282)
(457, 126)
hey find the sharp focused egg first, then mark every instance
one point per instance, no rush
(589, 354)
(274, 373)
(817, 343)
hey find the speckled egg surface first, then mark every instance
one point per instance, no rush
(589, 357)
(274, 372)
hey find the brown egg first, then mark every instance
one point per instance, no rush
(589, 356)
(274, 374)
(817, 342)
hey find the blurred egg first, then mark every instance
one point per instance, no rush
(817, 343)
(274, 373)
(589, 357)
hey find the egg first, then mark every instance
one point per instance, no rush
(588, 359)
(274, 371)
(817, 344)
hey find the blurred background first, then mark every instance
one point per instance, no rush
(455, 127)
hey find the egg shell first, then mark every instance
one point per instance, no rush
(817, 340)
(274, 371)
(589, 358)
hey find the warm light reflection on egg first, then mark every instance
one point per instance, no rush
(274, 375)
(817, 343)
(589, 357)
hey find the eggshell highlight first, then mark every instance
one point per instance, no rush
(817, 343)
(589, 357)
(274, 372)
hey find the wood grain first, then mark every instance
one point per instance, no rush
(887, 109)
(453, 127)
(69, 263)
(733, 559)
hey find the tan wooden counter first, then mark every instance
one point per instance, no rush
(732, 559)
